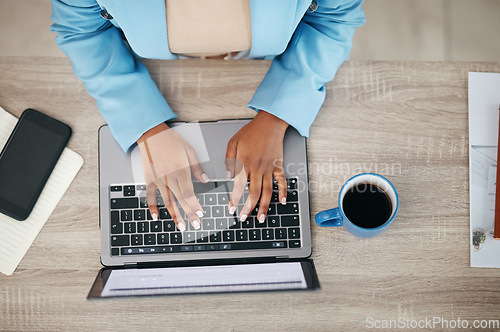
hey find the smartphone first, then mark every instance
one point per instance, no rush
(27, 159)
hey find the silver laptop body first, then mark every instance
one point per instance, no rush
(209, 139)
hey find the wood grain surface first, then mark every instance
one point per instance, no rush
(404, 120)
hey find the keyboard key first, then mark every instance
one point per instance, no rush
(201, 199)
(248, 223)
(141, 187)
(149, 239)
(128, 192)
(254, 234)
(217, 211)
(241, 235)
(212, 247)
(188, 237)
(115, 251)
(208, 224)
(139, 214)
(273, 221)
(279, 244)
(271, 210)
(148, 215)
(129, 188)
(215, 236)
(294, 244)
(292, 183)
(207, 212)
(125, 203)
(294, 233)
(226, 211)
(210, 199)
(186, 248)
(130, 227)
(162, 238)
(143, 227)
(136, 239)
(226, 246)
(268, 234)
(233, 223)
(126, 215)
(199, 248)
(115, 188)
(258, 224)
(202, 237)
(201, 188)
(292, 196)
(289, 221)
(159, 201)
(120, 240)
(221, 223)
(155, 226)
(143, 202)
(168, 226)
(275, 198)
(164, 214)
(175, 238)
(289, 208)
(116, 225)
(228, 236)
(223, 199)
(280, 233)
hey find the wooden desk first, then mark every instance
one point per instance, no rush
(405, 120)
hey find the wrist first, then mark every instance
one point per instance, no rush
(271, 120)
(153, 131)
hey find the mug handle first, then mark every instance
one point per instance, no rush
(329, 218)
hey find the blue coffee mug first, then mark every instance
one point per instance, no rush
(336, 217)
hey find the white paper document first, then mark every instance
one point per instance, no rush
(484, 101)
(205, 279)
(16, 236)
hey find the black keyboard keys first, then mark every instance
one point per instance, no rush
(289, 208)
(116, 225)
(125, 203)
(294, 233)
(228, 236)
(120, 240)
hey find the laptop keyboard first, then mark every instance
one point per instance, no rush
(133, 230)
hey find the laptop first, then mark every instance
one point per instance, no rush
(141, 255)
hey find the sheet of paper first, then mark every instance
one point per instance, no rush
(16, 237)
(205, 279)
(484, 100)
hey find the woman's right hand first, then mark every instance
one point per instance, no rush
(168, 161)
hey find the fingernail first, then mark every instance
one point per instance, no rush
(199, 213)
(154, 216)
(243, 217)
(283, 201)
(232, 209)
(228, 174)
(262, 218)
(205, 177)
(181, 227)
(196, 224)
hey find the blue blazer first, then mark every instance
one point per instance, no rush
(307, 48)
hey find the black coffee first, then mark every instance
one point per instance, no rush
(367, 205)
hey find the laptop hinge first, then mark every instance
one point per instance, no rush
(127, 264)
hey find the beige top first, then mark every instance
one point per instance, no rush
(208, 27)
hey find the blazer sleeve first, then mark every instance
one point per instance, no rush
(125, 94)
(294, 87)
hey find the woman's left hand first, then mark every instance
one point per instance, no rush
(255, 152)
